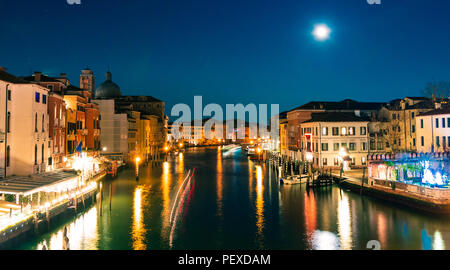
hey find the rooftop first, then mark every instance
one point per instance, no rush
(335, 117)
(347, 104)
(25, 185)
(445, 110)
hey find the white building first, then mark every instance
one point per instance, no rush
(433, 131)
(24, 148)
(326, 135)
(114, 128)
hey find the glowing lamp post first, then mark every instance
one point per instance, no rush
(258, 150)
(138, 159)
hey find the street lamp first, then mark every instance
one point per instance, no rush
(138, 159)
(104, 149)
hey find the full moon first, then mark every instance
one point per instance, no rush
(321, 32)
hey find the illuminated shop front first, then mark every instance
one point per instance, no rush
(422, 170)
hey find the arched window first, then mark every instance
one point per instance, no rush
(35, 123)
(35, 154)
(8, 156)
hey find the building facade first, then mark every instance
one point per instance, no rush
(26, 143)
(433, 131)
(328, 135)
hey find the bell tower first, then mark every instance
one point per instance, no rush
(87, 80)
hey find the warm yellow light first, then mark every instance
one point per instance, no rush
(251, 142)
(309, 157)
(166, 148)
(138, 159)
(258, 150)
(104, 148)
(181, 144)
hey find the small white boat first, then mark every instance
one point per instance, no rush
(293, 180)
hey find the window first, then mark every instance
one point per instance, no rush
(422, 141)
(344, 131)
(50, 87)
(363, 160)
(437, 123)
(393, 128)
(317, 150)
(398, 128)
(43, 123)
(336, 147)
(35, 123)
(414, 142)
(443, 141)
(351, 131)
(35, 154)
(353, 161)
(42, 154)
(421, 123)
(8, 156)
(8, 123)
(448, 141)
(44, 99)
(352, 146)
(317, 133)
(324, 146)
(324, 161)
(448, 122)
(412, 115)
(325, 131)
(335, 131)
(336, 161)
(364, 146)
(37, 97)
(413, 128)
(344, 145)
(437, 141)
(9, 94)
(399, 142)
(394, 116)
(443, 122)
(363, 130)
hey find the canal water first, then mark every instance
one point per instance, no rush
(233, 203)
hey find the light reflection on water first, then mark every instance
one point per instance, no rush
(238, 204)
(138, 230)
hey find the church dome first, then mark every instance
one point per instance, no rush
(108, 89)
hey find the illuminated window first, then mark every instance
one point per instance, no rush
(343, 131)
(325, 131)
(363, 130)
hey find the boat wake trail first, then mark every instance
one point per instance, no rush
(180, 199)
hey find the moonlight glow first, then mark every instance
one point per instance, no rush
(321, 32)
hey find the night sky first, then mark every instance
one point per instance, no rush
(229, 51)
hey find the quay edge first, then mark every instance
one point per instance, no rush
(402, 198)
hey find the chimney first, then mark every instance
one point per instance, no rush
(2, 69)
(37, 76)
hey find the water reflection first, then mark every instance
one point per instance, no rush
(138, 230)
(219, 188)
(165, 188)
(259, 200)
(82, 234)
(310, 215)
(344, 222)
(438, 243)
